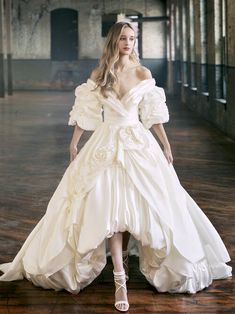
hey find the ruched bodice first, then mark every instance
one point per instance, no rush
(145, 100)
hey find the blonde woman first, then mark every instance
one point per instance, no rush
(121, 183)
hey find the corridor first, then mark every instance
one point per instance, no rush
(47, 48)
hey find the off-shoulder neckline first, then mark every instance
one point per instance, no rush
(130, 90)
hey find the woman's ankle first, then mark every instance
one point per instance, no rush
(119, 270)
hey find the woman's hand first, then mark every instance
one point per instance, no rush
(168, 154)
(159, 130)
(73, 152)
(74, 142)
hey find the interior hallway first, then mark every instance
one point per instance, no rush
(34, 155)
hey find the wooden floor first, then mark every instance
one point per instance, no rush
(33, 156)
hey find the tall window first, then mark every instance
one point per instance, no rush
(107, 21)
(220, 48)
(192, 46)
(185, 44)
(177, 45)
(64, 34)
(204, 57)
(172, 29)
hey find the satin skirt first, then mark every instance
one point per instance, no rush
(120, 181)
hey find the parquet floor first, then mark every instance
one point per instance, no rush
(33, 156)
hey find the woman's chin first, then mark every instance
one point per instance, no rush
(125, 52)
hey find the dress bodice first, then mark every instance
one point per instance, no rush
(123, 110)
(145, 100)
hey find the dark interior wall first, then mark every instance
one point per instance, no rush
(66, 75)
(43, 57)
(158, 68)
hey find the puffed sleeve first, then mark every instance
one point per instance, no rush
(87, 110)
(153, 108)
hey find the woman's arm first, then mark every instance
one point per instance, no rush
(77, 133)
(160, 131)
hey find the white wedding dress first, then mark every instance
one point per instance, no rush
(121, 180)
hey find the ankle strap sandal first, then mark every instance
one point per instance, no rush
(120, 276)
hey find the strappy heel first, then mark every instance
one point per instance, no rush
(120, 276)
(125, 258)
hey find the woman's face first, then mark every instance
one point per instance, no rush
(127, 41)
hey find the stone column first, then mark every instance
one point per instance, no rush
(8, 46)
(2, 85)
(187, 39)
(177, 73)
(231, 66)
(170, 53)
(182, 46)
(197, 29)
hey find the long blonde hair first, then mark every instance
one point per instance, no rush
(106, 76)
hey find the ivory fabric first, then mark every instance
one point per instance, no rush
(119, 181)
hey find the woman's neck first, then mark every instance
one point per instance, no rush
(124, 63)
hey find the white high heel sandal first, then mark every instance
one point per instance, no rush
(118, 276)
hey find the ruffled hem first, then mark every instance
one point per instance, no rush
(192, 277)
(83, 269)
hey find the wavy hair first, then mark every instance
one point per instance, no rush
(106, 76)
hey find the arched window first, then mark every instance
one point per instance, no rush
(64, 34)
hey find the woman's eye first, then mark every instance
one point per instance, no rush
(124, 38)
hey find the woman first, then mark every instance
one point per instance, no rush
(121, 182)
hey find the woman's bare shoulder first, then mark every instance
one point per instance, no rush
(144, 73)
(94, 74)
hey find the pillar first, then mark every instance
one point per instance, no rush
(8, 46)
(2, 85)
